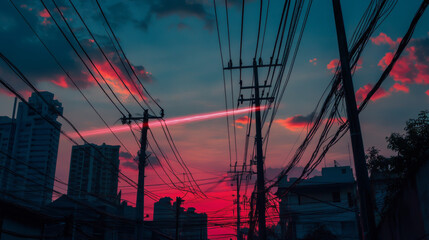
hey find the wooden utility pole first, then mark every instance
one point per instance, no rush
(260, 200)
(256, 99)
(364, 186)
(142, 165)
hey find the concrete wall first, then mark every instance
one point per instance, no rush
(408, 216)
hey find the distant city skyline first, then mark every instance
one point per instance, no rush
(172, 48)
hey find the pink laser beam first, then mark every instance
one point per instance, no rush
(169, 122)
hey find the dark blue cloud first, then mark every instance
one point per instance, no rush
(21, 46)
(181, 8)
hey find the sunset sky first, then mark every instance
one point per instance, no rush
(174, 49)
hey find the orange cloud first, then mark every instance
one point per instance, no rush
(115, 82)
(242, 121)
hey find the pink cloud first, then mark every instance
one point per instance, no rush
(412, 67)
(382, 38)
(402, 71)
(427, 92)
(24, 93)
(362, 92)
(409, 68)
(397, 87)
(45, 15)
(289, 124)
(25, 6)
(332, 65)
(313, 61)
(296, 123)
(116, 83)
(359, 64)
(60, 81)
(423, 72)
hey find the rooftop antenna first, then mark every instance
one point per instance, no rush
(336, 164)
(348, 148)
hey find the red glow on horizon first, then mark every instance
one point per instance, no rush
(169, 122)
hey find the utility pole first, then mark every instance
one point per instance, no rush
(238, 208)
(178, 203)
(238, 175)
(364, 187)
(256, 99)
(260, 201)
(142, 165)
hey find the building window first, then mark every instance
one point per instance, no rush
(336, 197)
(343, 171)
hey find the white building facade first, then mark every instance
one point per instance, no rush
(325, 202)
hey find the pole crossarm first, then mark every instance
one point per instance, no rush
(130, 118)
(141, 165)
(256, 100)
(251, 87)
(241, 100)
(251, 66)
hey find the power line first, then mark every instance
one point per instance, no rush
(84, 51)
(68, 76)
(26, 81)
(103, 53)
(123, 53)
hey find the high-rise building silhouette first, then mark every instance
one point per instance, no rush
(32, 144)
(7, 135)
(94, 172)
